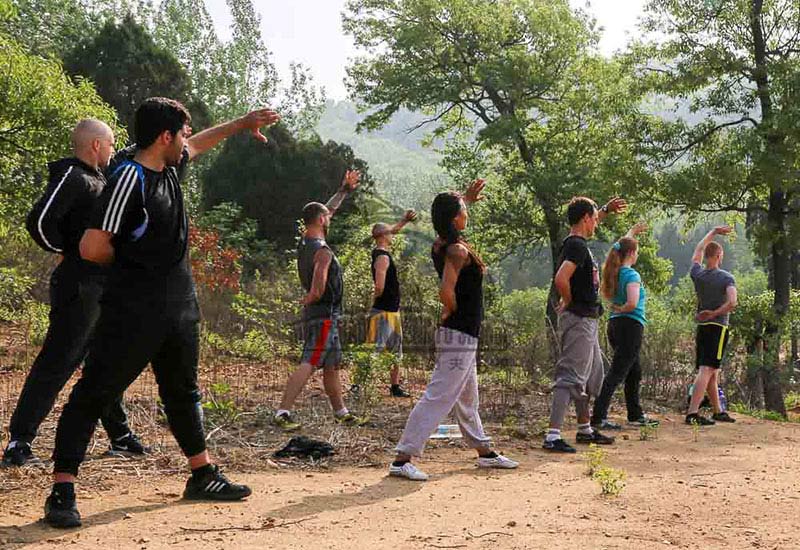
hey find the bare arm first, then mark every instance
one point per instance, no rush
(697, 257)
(731, 301)
(636, 230)
(455, 259)
(409, 216)
(381, 266)
(322, 261)
(95, 246)
(631, 297)
(349, 183)
(253, 121)
(561, 282)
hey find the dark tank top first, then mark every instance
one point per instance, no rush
(469, 294)
(390, 299)
(330, 304)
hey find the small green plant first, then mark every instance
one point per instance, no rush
(695, 431)
(220, 408)
(611, 480)
(370, 369)
(761, 414)
(648, 432)
(596, 459)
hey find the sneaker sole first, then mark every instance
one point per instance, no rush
(59, 524)
(579, 442)
(113, 453)
(401, 476)
(213, 496)
(560, 451)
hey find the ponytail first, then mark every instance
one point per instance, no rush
(610, 277)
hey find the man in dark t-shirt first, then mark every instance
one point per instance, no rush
(384, 327)
(149, 311)
(579, 371)
(321, 277)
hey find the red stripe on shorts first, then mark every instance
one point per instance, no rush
(319, 346)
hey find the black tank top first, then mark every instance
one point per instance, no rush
(330, 304)
(469, 294)
(390, 299)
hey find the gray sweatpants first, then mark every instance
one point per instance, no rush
(579, 370)
(453, 386)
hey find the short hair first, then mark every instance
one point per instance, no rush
(713, 249)
(379, 229)
(578, 208)
(87, 130)
(157, 115)
(312, 211)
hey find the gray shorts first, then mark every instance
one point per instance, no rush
(322, 347)
(580, 363)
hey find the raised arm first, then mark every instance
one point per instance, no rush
(697, 257)
(617, 205)
(322, 261)
(203, 141)
(636, 230)
(409, 216)
(456, 258)
(348, 185)
(381, 267)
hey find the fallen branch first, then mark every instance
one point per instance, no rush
(265, 527)
(489, 533)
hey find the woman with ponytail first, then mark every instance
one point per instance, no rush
(454, 382)
(622, 286)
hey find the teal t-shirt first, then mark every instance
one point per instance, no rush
(629, 275)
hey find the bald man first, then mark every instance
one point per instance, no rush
(57, 223)
(384, 329)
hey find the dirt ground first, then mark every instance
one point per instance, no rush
(736, 486)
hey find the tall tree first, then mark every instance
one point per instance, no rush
(737, 62)
(127, 67)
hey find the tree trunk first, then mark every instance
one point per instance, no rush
(555, 233)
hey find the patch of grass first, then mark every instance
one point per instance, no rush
(758, 413)
(648, 432)
(611, 480)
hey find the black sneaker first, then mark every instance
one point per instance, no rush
(214, 486)
(723, 417)
(396, 390)
(558, 446)
(61, 512)
(699, 419)
(595, 437)
(128, 445)
(606, 424)
(644, 421)
(18, 455)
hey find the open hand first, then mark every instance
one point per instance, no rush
(616, 205)
(723, 230)
(639, 228)
(255, 120)
(410, 215)
(350, 180)
(474, 191)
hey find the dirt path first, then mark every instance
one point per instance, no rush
(736, 487)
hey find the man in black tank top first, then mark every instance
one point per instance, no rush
(321, 277)
(384, 328)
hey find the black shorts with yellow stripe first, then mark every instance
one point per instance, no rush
(712, 338)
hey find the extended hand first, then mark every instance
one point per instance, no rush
(639, 228)
(350, 181)
(255, 120)
(616, 205)
(474, 191)
(723, 230)
(410, 215)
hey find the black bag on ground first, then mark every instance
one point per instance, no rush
(304, 447)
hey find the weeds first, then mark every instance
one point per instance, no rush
(611, 480)
(220, 409)
(648, 432)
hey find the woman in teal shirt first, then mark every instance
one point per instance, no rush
(622, 285)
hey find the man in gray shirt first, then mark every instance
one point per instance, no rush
(716, 298)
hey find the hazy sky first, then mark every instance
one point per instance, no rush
(309, 31)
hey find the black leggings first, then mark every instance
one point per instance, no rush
(130, 335)
(625, 336)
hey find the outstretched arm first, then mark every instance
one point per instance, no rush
(409, 216)
(203, 141)
(348, 185)
(636, 230)
(697, 257)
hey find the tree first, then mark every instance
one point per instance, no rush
(547, 109)
(737, 62)
(127, 67)
(272, 182)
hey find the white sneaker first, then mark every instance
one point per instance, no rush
(499, 462)
(408, 471)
